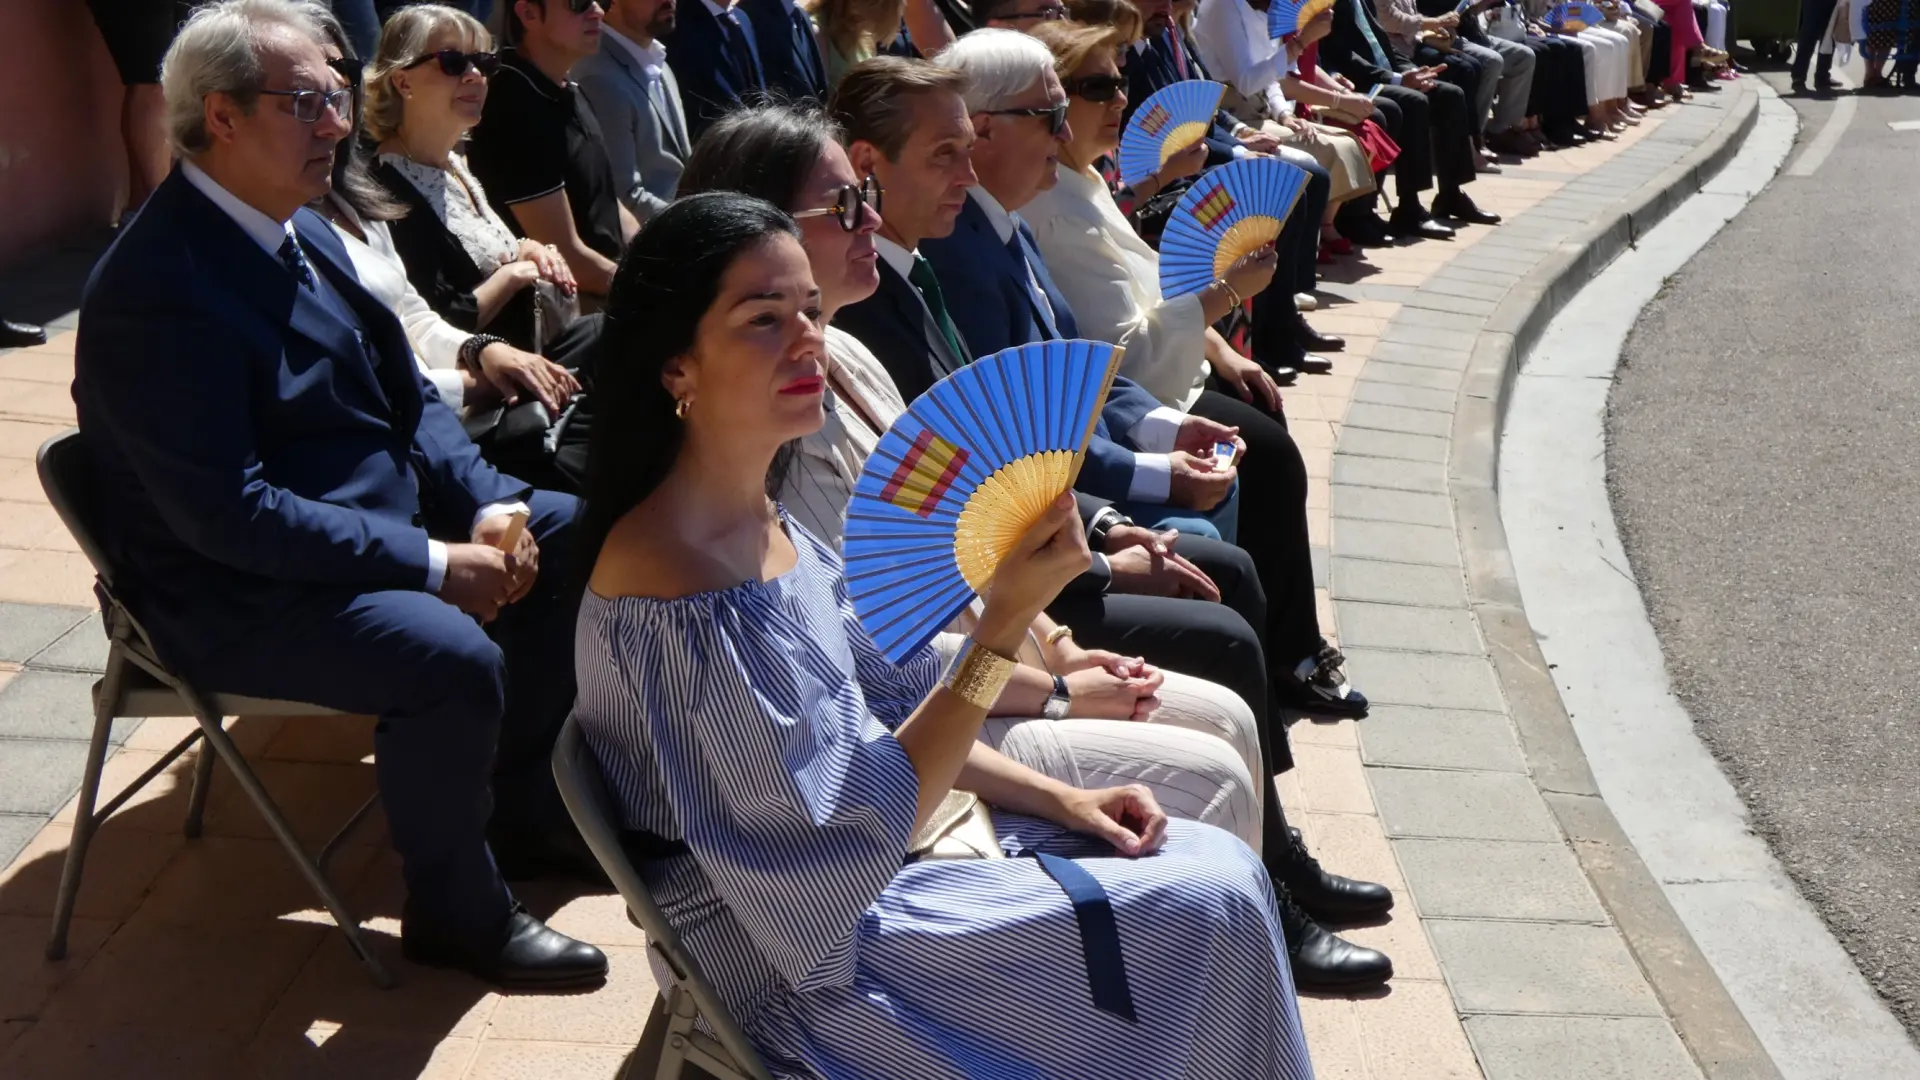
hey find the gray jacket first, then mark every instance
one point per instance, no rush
(647, 144)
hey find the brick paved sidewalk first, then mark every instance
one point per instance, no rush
(210, 958)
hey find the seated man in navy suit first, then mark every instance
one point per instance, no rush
(299, 514)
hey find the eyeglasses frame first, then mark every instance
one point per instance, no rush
(867, 192)
(328, 98)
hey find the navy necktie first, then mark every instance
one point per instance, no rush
(809, 50)
(743, 59)
(296, 263)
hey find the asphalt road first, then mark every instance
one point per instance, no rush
(1764, 464)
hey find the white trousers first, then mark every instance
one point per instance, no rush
(1608, 57)
(1199, 754)
(1717, 25)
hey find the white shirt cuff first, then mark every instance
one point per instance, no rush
(1241, 153)
(436, 566)
(492, 509)
(1152, 478)
(1106, 572)
(1158, 430)
(1395, 80)
(453, 388)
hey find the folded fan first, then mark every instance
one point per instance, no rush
(1288, 17)
(960, 477)
(1575, 16)
(1170, 120)
(1227, 214)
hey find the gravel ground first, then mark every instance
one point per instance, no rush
(1765, 476)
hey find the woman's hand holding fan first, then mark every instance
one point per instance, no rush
(1252, 274)
(1048, 556)
(1184, 162)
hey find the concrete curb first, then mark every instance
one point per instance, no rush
(1702, 1012)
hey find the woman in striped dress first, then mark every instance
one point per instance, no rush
(779, 764)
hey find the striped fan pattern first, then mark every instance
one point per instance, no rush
(960, 477)
(1228, 213)
(1575, 16)
(1173, 118)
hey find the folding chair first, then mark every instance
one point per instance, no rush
(690, 998)
(137, 684)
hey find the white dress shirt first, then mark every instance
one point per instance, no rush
(1232, 41)
(1111, 278)
(270, 235)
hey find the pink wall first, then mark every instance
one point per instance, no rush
(62, 170)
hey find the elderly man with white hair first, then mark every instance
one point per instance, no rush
(296, 514)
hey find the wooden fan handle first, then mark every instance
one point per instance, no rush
(516, 525)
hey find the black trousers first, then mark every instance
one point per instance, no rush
(1559, 81)
(1434, 130)
(1461, 70)
(1272, 338)
(1814, 17)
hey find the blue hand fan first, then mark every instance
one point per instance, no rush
(1288, 17)
(961, 476)
(1229, 212)
(1575, 16)
(1170, 120)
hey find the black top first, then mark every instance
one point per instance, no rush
(442, 272)
(536, 138)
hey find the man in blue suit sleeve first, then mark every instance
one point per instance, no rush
(294, 511)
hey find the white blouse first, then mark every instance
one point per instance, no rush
(461, 204)
(436, 342)
(861, 404)
(1111, 279)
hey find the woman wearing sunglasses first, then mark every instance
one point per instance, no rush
(425, 90)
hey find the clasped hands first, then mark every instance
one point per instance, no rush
(481, 579)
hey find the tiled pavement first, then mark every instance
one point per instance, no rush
(209, 958)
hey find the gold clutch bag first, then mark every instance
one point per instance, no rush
(960, 828)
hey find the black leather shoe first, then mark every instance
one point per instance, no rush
(1329, 897)
(1283, 374)
(532, 956)
(1322, 960)
(19, 335)
(1424, 229)
(1313, 340)
(1459, 206)
(1314, 365)
(1366, 230)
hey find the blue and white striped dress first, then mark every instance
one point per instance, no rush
(755, 723)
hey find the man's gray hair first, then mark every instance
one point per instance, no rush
(218, 52)
(1001, 66)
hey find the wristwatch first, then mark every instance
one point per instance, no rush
(1103, 523)
(1057, 702)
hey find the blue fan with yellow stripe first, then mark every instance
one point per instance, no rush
(961, 476)
(1172, 118)
(1226, 215)
(1288, 17)
(1575, 16)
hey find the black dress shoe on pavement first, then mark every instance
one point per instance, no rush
(1330, 898)
(1319, 684)
(1314, 365)
(19, 335)
(532, 957)
(1460, 207)
(1423, 229)
(1323, 961)
(1366, 230)
(1305, 336)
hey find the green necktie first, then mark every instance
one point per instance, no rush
(923, 278)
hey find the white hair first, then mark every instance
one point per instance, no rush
(218, 52)
(1000, 65)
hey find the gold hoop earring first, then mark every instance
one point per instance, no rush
(682, 407)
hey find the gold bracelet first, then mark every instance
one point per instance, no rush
(978, 674)
(1233, 298)
(1059, 634)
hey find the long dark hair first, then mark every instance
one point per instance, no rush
(767, 152)
(667, 281)
(352, 180)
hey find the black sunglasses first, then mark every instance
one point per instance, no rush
(849, 208)
(1056, 116)
(1095, 88)
(454, 63)
(578, 6)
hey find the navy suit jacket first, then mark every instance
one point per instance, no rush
(247, 451)
(710, 83)
(985, 287)
(796, 74)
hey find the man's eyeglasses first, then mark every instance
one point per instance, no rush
(1095, 88)
(580, 6)
(848, 209)
(454, 63)
(1056, 116)
(1049, 13)
(309, 104)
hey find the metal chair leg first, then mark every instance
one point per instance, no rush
(340, 838)
(83, 822)
(243, 774)
(202, 785)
